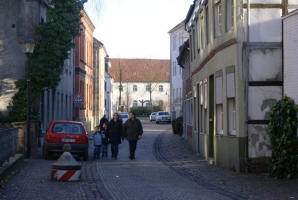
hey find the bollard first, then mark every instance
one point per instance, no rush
(66, 168)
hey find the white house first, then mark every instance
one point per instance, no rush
(141, 80)
(108, 90)
(290, 45)
(178, 36)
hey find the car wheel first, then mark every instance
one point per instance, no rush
(86, 155)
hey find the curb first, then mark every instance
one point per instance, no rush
(7, 166)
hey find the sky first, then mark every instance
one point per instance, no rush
(136, 28)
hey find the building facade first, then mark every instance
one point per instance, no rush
(108, 91)
(187, 98)
(18, 19)
(141, 80)
(99, 57)
(236, 69)
(290, 45)
(84, 73)
(178, 35)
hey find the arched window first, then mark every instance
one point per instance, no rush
(161, 88)
(135, 88)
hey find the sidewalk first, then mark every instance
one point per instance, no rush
(175, 152)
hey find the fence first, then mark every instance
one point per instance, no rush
(8, 143)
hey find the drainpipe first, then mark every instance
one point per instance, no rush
(247, 75)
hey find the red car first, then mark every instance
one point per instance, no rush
(66, 132)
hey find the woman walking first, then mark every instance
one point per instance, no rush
(115, 134)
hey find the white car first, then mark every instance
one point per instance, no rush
(123, 116)
(162, 116)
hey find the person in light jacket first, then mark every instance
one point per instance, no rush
(97, 142)
(133, 132)
(115, 134)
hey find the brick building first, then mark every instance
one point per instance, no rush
(84, 72)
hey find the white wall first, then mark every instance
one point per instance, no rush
(177, 38)
(141, 93)
(291, 56)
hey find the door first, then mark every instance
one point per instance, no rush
(211, 116)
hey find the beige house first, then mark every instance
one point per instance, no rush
(100, 55)
(236, 69)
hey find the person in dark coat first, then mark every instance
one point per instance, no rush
(103, 120)
(115, 134)
(133, 132)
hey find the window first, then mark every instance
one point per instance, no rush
(219, 105)
(148, 88)
(218, 18)
(202, 113)
(134, 73)
(199, 35)
(135, 88)
(229, 14)
(231, 103)
(160, 103)
(148, 104)
(207, 24)
(194, 42)
(194, 107)
(160, 88)
(190, 46)
(135, 103)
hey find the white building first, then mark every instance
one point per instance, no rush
(290, 45)
(58, 104)
(108, 89)
(178, 36)
(137, 77)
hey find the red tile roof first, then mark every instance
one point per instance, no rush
(140, 70)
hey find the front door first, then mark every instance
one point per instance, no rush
(211, 116)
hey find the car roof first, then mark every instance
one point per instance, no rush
(67, 121)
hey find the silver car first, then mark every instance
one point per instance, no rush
(152, 116)
(123, 116)
(163, 116)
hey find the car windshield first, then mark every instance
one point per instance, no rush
(124, 116)
(68, 128)
(153, 113)
(163, 113)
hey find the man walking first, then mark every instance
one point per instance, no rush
(133, 131)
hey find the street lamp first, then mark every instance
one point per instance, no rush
(28, 47)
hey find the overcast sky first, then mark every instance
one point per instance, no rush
(136, 28)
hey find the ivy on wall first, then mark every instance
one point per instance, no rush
(283, 133)
(54, 41)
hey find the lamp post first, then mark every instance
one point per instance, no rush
(28, 47)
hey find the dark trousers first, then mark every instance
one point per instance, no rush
(132, 147)
(114, 150)
(97, 150)
(105, 150)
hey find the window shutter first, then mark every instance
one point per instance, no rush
(230, 85)
(218, 89)
(206, 95)
(201, 94)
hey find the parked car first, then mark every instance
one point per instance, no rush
(162, 116)
(152, 116)
(123, 116)
(66, 132)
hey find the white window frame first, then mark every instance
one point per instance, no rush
(218, 20)
(134, 88)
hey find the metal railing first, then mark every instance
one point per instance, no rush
(8, 143)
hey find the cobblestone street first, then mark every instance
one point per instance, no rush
(164, 169)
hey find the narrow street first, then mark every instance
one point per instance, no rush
(144, 178)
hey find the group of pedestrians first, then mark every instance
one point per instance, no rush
(114, 133)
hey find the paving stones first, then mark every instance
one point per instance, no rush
(175, 152)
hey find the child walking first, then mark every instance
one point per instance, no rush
(97, 141)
